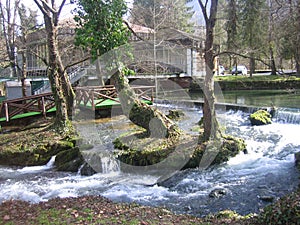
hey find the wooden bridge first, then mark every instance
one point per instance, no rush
(94, 98)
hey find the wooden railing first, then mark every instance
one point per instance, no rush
(96, 95)
(41, 103)
(35, 103)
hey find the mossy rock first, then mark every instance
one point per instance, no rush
(40, 155)
(175, 114)
(69, 160)
(260, 117)
(137, 150)
(212, 153)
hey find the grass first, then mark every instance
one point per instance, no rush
(258, 78)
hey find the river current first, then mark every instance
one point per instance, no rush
(246, 183)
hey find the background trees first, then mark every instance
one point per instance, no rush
(262, 34)
(161, 14)
(9, 14)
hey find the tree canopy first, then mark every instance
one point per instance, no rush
(100, 26)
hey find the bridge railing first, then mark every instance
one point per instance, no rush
(42, 103)
(94, 96)
(27, 105)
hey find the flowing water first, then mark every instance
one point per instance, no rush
(244, 184)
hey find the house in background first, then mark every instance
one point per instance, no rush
(164, 52)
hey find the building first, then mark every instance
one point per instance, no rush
(164, 52)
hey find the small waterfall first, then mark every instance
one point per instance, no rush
(31, 169)
(101, 160)
(110, 165)
(290, 116)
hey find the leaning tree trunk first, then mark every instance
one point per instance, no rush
(152, 120)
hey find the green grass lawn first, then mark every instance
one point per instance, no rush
(238, 78)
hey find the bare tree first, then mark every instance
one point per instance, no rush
(9, 13)
(28, 23)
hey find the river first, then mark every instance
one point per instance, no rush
(245, 184)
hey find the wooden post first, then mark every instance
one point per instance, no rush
(43, 107)
(6, 112)
(152, 98)
(93, 103)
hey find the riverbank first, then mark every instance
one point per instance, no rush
(96, 210)
(259, 82)
(31, 145)
(99, 210)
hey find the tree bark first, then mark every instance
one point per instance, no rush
(61, 87)
(297, 54)
(152, 120)
(210, 123)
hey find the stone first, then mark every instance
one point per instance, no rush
(260, 117)
(297, 159)
(217, 193)
(175, 114)
(266, 198)
(87, 170)
(69, 160)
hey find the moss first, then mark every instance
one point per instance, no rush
(69, 160)
(139, 150)
(260, 117)
(216, 152)
(175, 114)
(228, 214)
(284, 211)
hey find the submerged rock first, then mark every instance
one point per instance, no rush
(266, 198)
(217, 193)
(260, 117)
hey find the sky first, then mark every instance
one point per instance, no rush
(68, 7)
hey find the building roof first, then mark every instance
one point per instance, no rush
(140, 29)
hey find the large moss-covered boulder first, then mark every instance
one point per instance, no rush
(216, 152)
(139, 149)
(34, 155)
(260, 117)
(184, 151)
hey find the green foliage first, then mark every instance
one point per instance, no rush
(252, 20)
(285, 211)
(231, 24)
(128, 72)
(100, 25)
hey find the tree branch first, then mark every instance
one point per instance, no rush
(132, 31)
